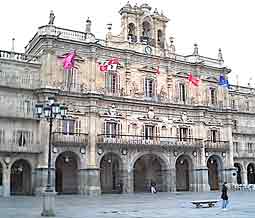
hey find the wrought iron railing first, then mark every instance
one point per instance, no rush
(216, 145)
(18, 56)
(244, 153)
(66, 139)
(149, 140)
(15, 148)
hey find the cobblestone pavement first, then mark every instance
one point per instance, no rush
(131, 206)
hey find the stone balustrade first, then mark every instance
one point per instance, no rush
(19, 56)
(14, 148)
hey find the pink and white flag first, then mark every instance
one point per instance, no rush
(68, 61)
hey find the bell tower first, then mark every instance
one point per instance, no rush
(141, 25)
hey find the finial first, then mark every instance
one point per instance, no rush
(109, 26)
(156, 11)
(195, 52)
(52, 18)
(13, 48)
(171, 47)
(88, 26)
(250, 82)
(220, 57)
(162, 14)
(237, 80)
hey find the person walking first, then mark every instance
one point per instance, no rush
(153, 188)
(224, 196)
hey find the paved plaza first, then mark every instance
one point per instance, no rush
(131, 205)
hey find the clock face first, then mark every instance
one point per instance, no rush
(148, 50)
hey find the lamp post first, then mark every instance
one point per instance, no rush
(50, 110)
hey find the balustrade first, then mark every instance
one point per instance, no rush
(71, 139)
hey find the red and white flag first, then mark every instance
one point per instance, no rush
(110, 65)
(157, 71)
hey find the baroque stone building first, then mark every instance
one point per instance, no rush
(128, 127)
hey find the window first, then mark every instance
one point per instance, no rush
(160, 39)
(182, 92)
(235, 147)
(68, 127)
(131, 33)
(234, 124)
(183, 134)
(71, 78)
(112, 82)
(214, 135)
(233, 104)
(23, 138)
(148, 132)
(149, 88)
(250, 147)
(213, 96)
(2, 136)
(247, 106)
(112, 129)
(27, 106)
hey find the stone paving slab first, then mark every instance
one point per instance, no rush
(242, 205)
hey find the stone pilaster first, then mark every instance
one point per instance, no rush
(6, 181)
(200, 180)
(244, 176)
(90, 181)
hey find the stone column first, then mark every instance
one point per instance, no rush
(244, 177)
(130, 180)
(92, 72)
(172, 178)
(6, 181)
(92, 174)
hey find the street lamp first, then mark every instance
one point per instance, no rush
(50, 110)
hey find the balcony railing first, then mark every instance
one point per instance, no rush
(244, 130)
(18, 56)
(156, 142)
(14, 148)
(244, 153)
(70, 139)
(217, 145)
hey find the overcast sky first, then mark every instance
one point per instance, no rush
(212, 24)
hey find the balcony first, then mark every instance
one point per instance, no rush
(14, 148)
(244, 153)
(244, 130)
(155, 143)
(217, 145)
(71, 139)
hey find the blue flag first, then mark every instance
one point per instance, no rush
(223, 82)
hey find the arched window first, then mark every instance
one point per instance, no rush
(131, 33)
(146, 30)
(160, 39)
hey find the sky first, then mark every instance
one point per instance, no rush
(212, 24)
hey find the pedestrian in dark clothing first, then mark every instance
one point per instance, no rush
(224, 196)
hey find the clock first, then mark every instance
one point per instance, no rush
(148, 50)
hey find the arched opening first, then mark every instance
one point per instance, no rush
(238, 173)
(251, 174)
(66, 173)
(111, 173)
(147, 170)
(160, 39)
(146, 32)
(214, 169)
(131, 33)
(183, 173)
(21, 178)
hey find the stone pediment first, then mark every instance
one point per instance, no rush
(212, 121)
(111, 113)
(184, 119)
(77, 57)
(149, 68)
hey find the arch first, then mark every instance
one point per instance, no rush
(21, 175)
(146, 29)
(148, 168)
(238, 167)
(111, 178)
(160, 39)
(66, 173)
(132, 32)
(251, 173)
(183, 170)
(215, 166)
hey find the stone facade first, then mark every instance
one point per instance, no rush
(140, 124)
